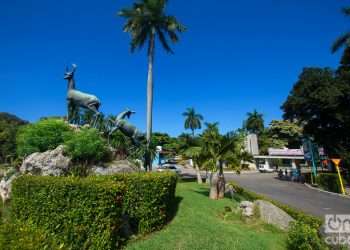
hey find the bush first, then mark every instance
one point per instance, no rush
(86, 146)
(86, 213)
(41, 136)
(298, 215)
(148, 199)
(329, 182)
(17, 235)
(80, 213)
(303, 237)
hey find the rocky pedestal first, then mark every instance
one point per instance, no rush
(5, 187)
(51, 162)
(114, 167)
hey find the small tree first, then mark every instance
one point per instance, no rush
(86, 146)
(196, 154)
(218, 150)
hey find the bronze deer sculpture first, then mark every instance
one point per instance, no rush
(125, 127)
(77, 99)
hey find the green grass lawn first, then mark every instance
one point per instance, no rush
(201, 223)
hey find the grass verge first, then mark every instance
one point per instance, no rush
(201, 223)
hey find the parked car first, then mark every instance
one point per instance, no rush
(264, 166)
(169, 167)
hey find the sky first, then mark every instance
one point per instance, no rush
(236, 56)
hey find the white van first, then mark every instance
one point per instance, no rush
(264, 166)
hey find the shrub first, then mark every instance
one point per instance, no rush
(80, 213)
(9, 125)
(148, 199)
(298, 215)
(17, 235)
(329, 182)
(302, 236)
(86, 146)
(86, 213)
(41, 136)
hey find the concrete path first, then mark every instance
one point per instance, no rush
(294, 194)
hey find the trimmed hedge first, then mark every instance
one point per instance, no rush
(80, 213)
(148, 199)
(16, 235)
(312, 221)
(87, 213)
(329, 182)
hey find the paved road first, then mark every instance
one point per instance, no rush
(294, 194)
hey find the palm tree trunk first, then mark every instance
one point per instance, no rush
(149, 98)
(199, 177)
(214, 192)
(221, 182)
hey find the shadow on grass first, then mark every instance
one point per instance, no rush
(231, 196)
(173, 209)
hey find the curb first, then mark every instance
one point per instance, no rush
(327, 192)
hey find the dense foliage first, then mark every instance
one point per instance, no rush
(88, 213)
(81, 213)
(148, 199)
(329, 182)
(18, 235)
(86, 146)
(9, 125)
(303, 237)
(284, 133)
(320, 102)
(41, 136)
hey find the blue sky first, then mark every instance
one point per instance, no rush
(235, 56)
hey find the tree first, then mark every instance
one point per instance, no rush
(146, 20)
(218, 150)
(9, 125)
(319, 101)
(254, 123)
(196, 154)
(193, 120)
(285, 133)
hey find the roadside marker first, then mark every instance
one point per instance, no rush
(336, 162)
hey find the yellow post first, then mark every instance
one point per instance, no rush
(336, 162)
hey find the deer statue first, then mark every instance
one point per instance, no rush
(125, 127)
(77, 99)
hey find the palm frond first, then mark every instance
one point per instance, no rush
(164, 41)
(341, 41)
(346, 11)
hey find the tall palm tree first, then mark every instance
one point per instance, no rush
(255, 122)
(146, 20)
(193, 120)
